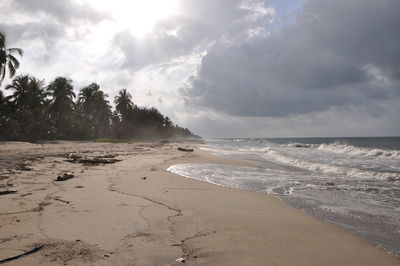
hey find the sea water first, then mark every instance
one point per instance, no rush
(351, 182)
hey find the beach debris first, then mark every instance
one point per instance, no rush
(102, 159)
(182, 260)
(3, 177)
(74, 157)
(185, 149)
(109, 156)
(79, 186)
(5, 192)
(36, 249)
(330, 184)
(65, 176)
(65, 201)
(24, 166)
(96, 161)
(6, 185)
(144, 178)
(26, 194)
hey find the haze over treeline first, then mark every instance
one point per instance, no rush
(35, 110)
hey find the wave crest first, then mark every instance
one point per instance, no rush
(353, 150)
(329, 169)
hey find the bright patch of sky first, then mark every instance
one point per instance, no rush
(286, 10)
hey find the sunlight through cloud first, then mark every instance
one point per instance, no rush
(138, 16)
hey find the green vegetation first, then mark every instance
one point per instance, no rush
(37, 112)
(7, 58)
(34, 111)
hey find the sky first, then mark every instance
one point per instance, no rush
(226, 68)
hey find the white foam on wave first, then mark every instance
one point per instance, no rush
(327, 168)
(243, 178)
(181, 169)
(353, 150)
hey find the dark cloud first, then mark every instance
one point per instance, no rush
(336, 53)
(201, 23)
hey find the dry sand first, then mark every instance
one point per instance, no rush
(134, 212)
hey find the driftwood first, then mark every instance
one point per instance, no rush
(185, 149)
(36, 249)
(5, 192)
(65, 201)
(23, 167)
(65, 176)
(109, 156)
(102, 159)
(97, 160)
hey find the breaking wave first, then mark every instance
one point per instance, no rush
(349, 149)
(353, 150)
(327, 168)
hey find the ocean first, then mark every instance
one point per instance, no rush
(353, 183)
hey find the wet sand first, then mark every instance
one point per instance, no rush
(134, 212)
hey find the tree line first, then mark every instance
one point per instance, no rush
(35, 111)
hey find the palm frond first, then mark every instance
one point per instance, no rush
(14, 61)
(2, 73)
(9, 86)
(11, 69)
(16, 50)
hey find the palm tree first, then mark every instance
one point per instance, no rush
(29, 108)
(85, 99)
(61, 104)
(9, 128)
(28, 92)
(123, 104)
(7, 59)
(95, 108)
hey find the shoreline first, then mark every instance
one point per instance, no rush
(136, 212)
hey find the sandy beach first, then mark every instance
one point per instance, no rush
(135, 212)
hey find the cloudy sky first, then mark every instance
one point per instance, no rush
(226, 68)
